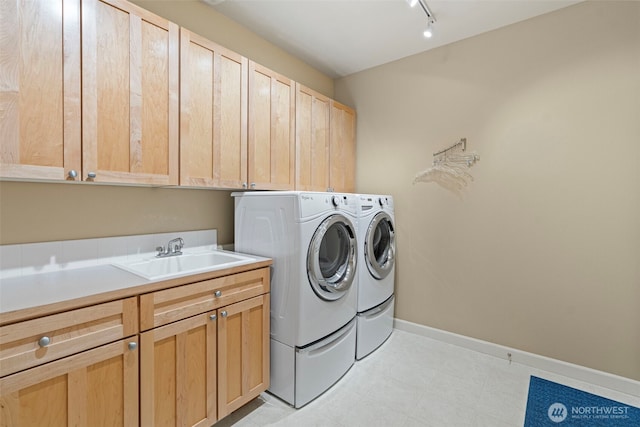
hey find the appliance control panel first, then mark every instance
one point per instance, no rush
(315, 203)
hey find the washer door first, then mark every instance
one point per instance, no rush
(380, 246)
(331, 259)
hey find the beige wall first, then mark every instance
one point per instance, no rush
(542, 253)
(37, 212)
(204, 20)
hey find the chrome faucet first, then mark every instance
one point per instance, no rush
(174, 248)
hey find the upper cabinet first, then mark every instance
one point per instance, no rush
(213, 114)
(39, 89)
(105, 91)
(312, 140)
(129, 94)
(342, 177)
(271, 130)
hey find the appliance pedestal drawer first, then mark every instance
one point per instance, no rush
(374, 327)
(322, 364)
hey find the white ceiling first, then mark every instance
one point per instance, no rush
(341, 37)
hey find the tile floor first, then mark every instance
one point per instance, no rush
(416, 381)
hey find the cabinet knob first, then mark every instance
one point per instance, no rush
(132, 345)
(224, 313)
(72, 174)
(244, 185)
(217, 294)
(91, 175)
(44, 341)
(253, 185)
(213, 317)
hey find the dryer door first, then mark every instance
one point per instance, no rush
(331, 259)
(380, 246)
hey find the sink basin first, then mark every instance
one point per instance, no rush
(162, 268)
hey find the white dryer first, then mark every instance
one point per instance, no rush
(376, 272)
(312, 239)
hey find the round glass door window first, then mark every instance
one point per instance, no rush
(380, 246)
(331, 260)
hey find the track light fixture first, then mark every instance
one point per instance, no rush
(431, 19)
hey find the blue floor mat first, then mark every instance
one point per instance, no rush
(553, 404)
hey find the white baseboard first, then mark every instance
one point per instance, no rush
(581, 373)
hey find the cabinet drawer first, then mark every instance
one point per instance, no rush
(33, 342)
(169, 305)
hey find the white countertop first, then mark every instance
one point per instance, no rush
(32, 291)
(23, 292)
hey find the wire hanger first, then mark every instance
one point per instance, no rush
(450, 168)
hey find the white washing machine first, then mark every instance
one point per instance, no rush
(376, 272)
(312, 239)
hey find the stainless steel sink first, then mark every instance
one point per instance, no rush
(162, 268)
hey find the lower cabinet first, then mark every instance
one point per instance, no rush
(243, 353)
(178, 373)
(203, 352)
(198, 370)
(97, 387)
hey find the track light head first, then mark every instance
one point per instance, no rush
(428, 33)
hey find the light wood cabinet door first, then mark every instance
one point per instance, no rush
(130, 111)
(178, 373)
(213, 114)
(39, 88)
(97, 387)
(243, 353)
(343, 149)
(312, 140)
(271, 130)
